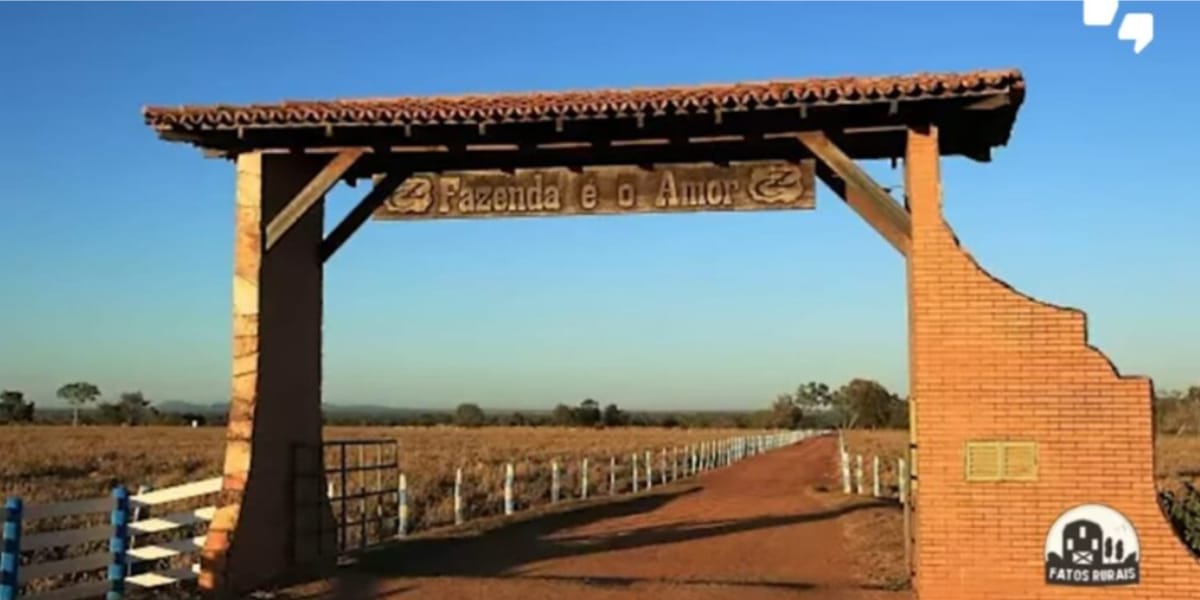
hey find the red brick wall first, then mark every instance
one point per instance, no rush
(988, 363)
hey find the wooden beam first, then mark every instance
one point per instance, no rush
(361, 212)
(863, 194)
(864, 207)
(310, 194)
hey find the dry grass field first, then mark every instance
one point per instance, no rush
(51, 463)
(54, 463)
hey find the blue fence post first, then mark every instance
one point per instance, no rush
(118, 544)
(10, 559)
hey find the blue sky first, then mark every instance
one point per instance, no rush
(117, 247)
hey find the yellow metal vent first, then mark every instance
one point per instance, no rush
(1001, 461)
(984, 461)
(1020, 461)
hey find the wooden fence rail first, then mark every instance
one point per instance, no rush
(126, 529)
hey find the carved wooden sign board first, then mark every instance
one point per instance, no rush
(765, 185)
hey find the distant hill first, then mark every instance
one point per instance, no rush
(177, 407)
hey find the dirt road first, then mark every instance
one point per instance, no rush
(757, 530)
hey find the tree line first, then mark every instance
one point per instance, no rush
(860, 403)
(130, 408)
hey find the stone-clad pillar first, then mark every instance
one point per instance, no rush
(276, 392)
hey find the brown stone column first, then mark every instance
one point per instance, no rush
(991, 364)
(276, 394)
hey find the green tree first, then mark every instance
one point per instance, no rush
(469, 415)
(132, 409)
(589, 413)
(813, 396)
(14, 408)
(864, 403)
(562, 416)
(785, 413)
(78, 394)
(612, 416)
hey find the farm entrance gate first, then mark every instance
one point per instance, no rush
(1013, 414)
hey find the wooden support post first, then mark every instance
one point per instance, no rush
(275, 404)
(855, 186)
(308, 196)
(902, 469)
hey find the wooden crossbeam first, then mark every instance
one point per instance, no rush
(856, 188)
(361, 212)
(311, 193)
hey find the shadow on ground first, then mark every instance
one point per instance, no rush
(499, 552)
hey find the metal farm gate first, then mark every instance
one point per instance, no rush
(359, 505)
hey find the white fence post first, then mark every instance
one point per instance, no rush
(633, 461)
(846, 485)
(858, 474)
(902, 476)
(649, 471)
(402, 520)
(583, 479)
(662, 471)
(458, 515)
(508, 489)
(554, 481)
(612, 475)
(875, 477)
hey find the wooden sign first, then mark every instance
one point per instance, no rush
(768, 185)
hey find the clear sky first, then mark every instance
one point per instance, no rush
(117, 248)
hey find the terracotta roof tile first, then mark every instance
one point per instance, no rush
(540, 106)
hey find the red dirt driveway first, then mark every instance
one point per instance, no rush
(760, 529)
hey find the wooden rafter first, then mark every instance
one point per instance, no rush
(310, 194)
(361, 212)
(863, 194)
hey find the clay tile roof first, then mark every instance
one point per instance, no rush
(540, 106)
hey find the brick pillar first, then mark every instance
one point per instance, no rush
(276, 393)
(989, 363)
